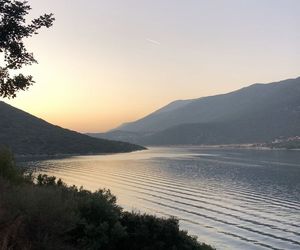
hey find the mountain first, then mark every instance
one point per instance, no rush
(150, 122)
(256, 113)
(27, 134)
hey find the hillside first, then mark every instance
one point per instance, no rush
(26, 134)
(258, 113)
(150, 122)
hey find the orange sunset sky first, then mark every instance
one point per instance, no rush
(108, 62)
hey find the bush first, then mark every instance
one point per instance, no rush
(8, 169)
(7, 165)
(48, 214)
(148, 232)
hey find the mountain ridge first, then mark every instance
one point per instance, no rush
(258, 105)
(190, 111)
(26, 134)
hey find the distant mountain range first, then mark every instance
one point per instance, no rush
(26, 134)
(258, 113)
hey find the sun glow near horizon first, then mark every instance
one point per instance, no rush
(105, 63)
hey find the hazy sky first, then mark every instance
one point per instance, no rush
(107, 62)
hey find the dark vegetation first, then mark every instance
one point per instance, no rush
(256, 114)
(13, 31)
(44, 213)
(29, 135)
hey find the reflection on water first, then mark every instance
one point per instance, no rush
(232, 199)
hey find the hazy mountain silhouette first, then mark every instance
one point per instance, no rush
(256, 113)
(27, 134)
(149, 123)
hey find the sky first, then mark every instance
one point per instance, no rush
(108, 62)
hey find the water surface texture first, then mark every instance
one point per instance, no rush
(230, 198)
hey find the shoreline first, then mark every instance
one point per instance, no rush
(221, 146)
(228, 146)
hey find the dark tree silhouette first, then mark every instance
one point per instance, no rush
(14, 55)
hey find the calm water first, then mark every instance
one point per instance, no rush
(232, 199)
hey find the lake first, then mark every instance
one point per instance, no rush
(230, 198)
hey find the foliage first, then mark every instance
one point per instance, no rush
(47, 214)
(7, 166)
(45, 180)
(148, 232)
(6, 163)
(8, 169)
(13, 30)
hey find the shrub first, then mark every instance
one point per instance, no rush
(7, 165)
(47, 214)
(148, 232)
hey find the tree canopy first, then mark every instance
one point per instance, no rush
(13, 30)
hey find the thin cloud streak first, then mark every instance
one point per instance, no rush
(153, 41)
